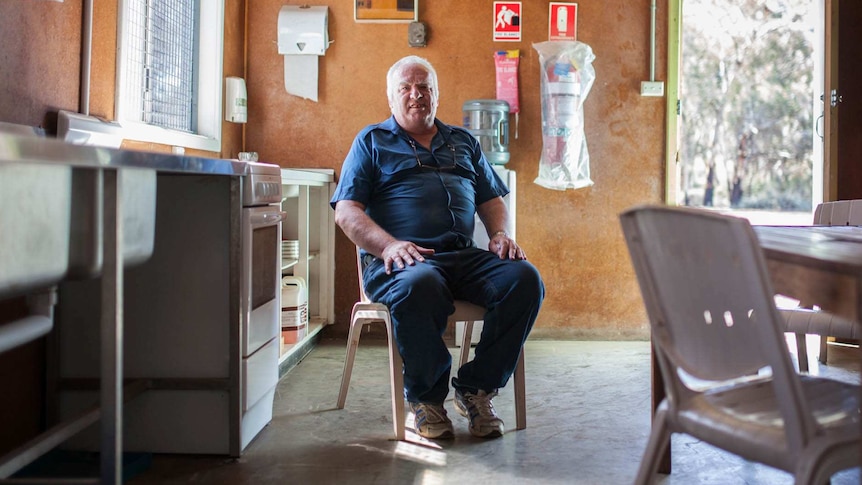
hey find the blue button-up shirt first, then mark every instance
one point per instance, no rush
(426, 197)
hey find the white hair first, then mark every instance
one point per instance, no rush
(392, 81)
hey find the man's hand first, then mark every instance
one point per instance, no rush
(401, 253)
(505, 247)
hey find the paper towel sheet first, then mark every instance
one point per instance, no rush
(300, 76)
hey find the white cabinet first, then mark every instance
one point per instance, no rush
(310, 221)
(182, 332)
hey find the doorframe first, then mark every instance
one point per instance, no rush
(829, 176)
(672, 168)
(830, 113)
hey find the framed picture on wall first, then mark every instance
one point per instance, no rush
(386, 10)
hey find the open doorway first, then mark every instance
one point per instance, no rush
(749, 111)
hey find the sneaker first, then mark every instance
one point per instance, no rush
(484, 422)
(431, 421)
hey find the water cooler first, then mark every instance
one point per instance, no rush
(488, 121)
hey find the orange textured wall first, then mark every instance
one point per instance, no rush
(572, 236)
(40, 46)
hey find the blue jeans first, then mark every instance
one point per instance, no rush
(420, 299)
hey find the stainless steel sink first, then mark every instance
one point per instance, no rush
(34, 226)
(34, 244)
(138, 206)
(51, 206)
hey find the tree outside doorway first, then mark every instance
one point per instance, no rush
(747, 114)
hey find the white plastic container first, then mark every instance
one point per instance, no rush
(488, 121)
(294, 309)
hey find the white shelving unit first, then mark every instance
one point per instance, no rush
(310, 220)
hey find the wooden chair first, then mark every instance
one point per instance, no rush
(804, 321)
(365, 312)
(715, 327)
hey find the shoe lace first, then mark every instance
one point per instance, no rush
(483, 404)
(433, 414)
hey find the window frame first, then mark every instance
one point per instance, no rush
(209, 63)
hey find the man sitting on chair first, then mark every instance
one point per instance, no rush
(408, 193)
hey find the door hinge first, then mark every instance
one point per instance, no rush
(835, 98)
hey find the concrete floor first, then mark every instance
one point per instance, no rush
(588, 420)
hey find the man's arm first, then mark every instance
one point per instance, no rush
(367, 234)
(495, 217)
(361, 229)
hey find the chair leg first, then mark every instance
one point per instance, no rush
(352, 344)
(658, 441)
(802, 352)
(396, 374)
(824, 349)
(812, 468)
(520, 394)
(518, 378)
(466, 341)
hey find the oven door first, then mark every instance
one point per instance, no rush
(260, 275)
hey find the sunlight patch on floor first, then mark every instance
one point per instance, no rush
(420, 451)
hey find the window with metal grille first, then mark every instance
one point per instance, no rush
(168, 86)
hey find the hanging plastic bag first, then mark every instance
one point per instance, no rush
(567, 76)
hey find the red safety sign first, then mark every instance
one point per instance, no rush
(507, 21)
(563, 21)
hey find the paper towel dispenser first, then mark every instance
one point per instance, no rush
(302, 30)
(302, 40)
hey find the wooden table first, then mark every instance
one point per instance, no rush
(818, 265)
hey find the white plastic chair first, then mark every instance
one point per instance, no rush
(840, 213)
(855, 217)
(823, 214)
(818, 213)
(366, 312)
(714, 327)
(801, 320)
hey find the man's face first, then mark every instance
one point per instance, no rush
(414, 102)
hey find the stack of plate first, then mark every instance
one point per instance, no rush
(290, 249)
